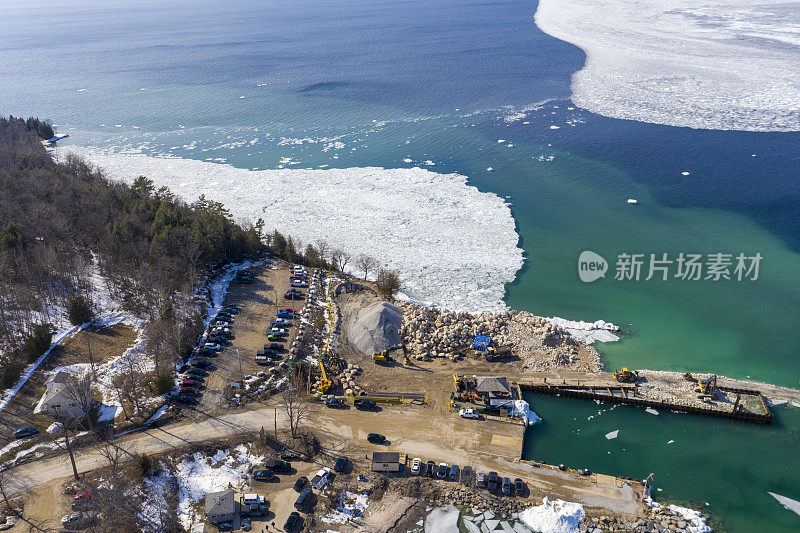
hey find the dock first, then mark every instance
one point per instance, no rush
(749, 405)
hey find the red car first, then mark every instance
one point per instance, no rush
(84, 495)
(190, 383)
(190, 391)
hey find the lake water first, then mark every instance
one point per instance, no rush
(397, 84)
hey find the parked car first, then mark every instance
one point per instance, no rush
(441, 472)
(493, 483)
(273, 337)
(264, 474)
(285, 314)
(196, 371)
(430, 469)
(280, 322)
(455, 472)
(341, 464)
(202, 363)
(189, 391)
(276, 465)
(293, 523)
(23, 433)
(292, 296)
(298, 283)
(191, 383)
(376, 438)
(335, 403)
(300, 484)
(469, 413)
(273, 346)
(466, 475)
(291, 455)
(480, 479)
(416, 466)
(506, 486)
(303, 500)
(519, 487)
(365, 405)
(185, 398)
(202, 352)
(277, 331)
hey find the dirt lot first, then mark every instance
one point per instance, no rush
(105, 344)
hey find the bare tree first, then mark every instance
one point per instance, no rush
(66, 421)
(340, 258)
(296, 409)
(80, 391)
(4, 479)
(322, 248)
(365, 263)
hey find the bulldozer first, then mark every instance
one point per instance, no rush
(460, 382)
(381, 357)
(626, 376)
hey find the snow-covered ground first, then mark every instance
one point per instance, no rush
(587, 332)
(720, 64)
(553, 517)
(350, 505)
(696, 522)
(433, 228)
(198, 475)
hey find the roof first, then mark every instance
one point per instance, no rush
(385, 457)
(493, 384)
(220, 503)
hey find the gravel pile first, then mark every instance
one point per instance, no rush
(376, 328)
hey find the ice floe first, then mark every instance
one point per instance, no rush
(419, 222)
(587, 332)
(612, 434)
(729, 65)
(788, 503)
(442, 520)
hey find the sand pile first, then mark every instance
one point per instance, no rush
(376, 328)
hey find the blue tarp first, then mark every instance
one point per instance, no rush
(481, 342)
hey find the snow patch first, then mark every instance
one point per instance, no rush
(556, 517)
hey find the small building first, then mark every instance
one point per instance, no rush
(220, 506)
(386, 461)
(57, 399)
(492, 387)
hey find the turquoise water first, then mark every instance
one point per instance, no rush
(445, 81)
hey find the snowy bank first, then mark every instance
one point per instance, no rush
(587, 332)
(419, 222)
(728, 65)
(523, 410)
(553, 517)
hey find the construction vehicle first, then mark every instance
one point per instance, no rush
(380, 357)
(707, 386)
(459, 382)
(626, 376)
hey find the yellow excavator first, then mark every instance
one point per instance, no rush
(626, 376)
(381, 357)
(459, 382)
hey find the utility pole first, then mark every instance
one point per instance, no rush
(275, 409)
(241, 372)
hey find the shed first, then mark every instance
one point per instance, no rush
(220, 506)
(492, 386)
(385, 461)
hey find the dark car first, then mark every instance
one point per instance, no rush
(185, 398)
(285, 314)
(273, 337)
(292, 296)
(300, 484)
(274, 346)
(197, 371)
(202, 363)
(454, 473)
(341, 464)
(376, 438)
(335, 403)
(264, 474)
(293, 523)
(276, 465)
(480, 479)
(303, 500)
(365, 405)
(466, 475)
(189, 391)
(493, 482)
(506, 487)
(441, 472)
(430, 469)
(519, 487)
(25, 432)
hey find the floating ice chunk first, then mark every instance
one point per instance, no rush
(651, 411)
(612, 435)
(408, 160)
(670, 441)
(491, 525)
(788, 503)
(429, 162)
(633, 201)
(489, 169)
(796, 404)
(506, 527)
(501, 140)
(472, 527)
(684, 173)
(555, 127)
(488, 515)
(523, 410)
(81, 90)
(778, 401)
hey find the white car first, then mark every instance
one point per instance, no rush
(416, 465)
(212, 346)
(469, 413)
(277, 331)
(298, 283)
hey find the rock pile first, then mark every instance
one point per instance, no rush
(431, 332)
